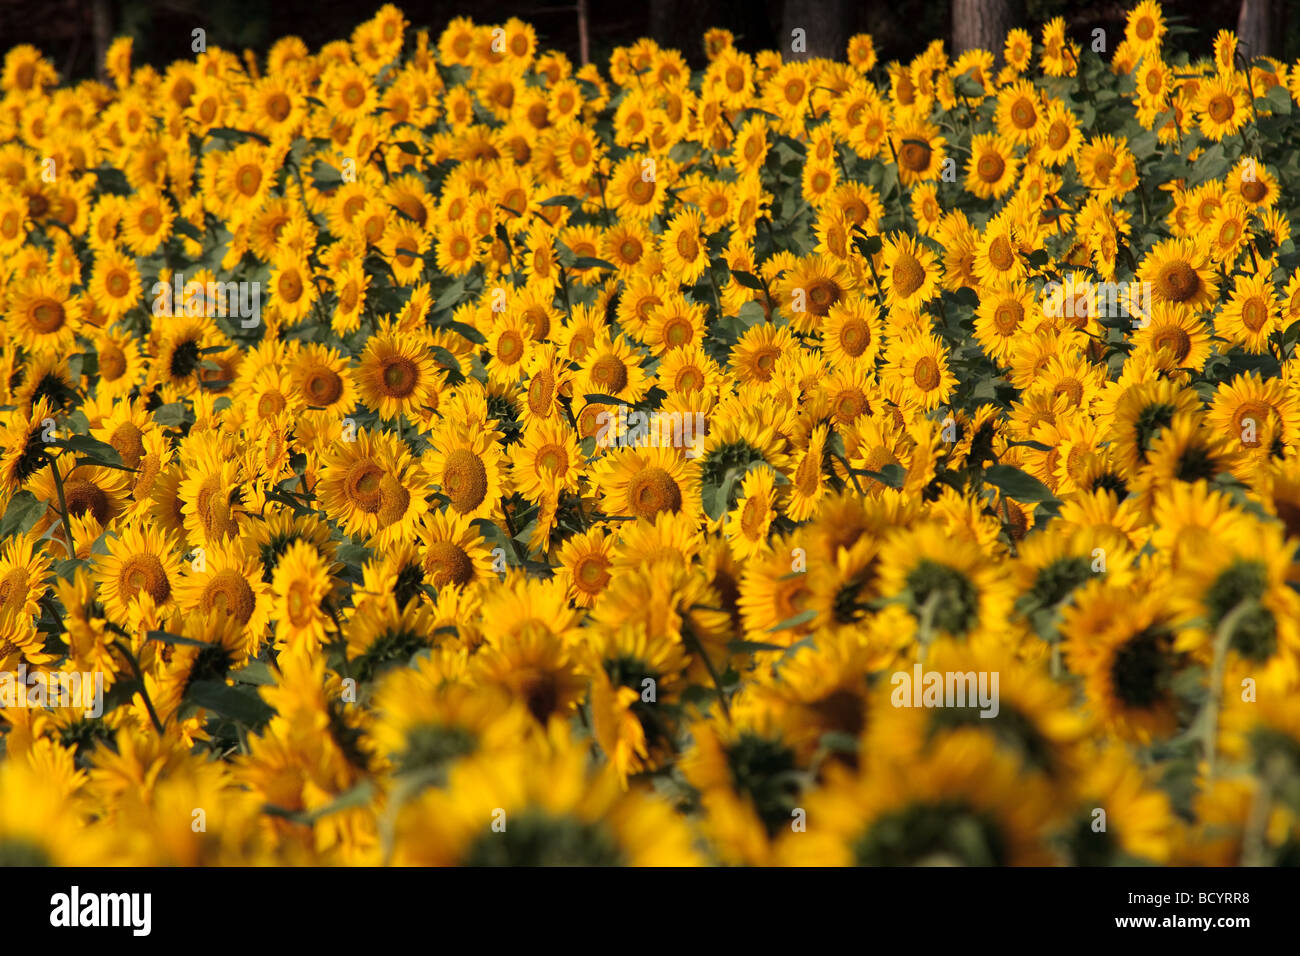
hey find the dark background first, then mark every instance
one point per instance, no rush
(66, 29)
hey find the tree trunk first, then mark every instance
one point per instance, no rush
(825, 26)
(1255, 24)
(981, 24)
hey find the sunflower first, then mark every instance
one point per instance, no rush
(812, 288)
(634, 675)
(1237, 590)
(43, 316)
(471, 470)
(1178, 272)
(23, 445)
(919, 151)
(228, 580)
(1223, 107)
(964, 802)
(688, 370)
(115, 283)
(852, 332)
(748, 525)
(141, 561)
(293, 289)
(1174, 338)
(426, 726)
(636, 187)
(1251, 314)
(919, 371)
(396, 375)
(683, 246)
(991, 168)
(552, 808)
(1121, 640)
(1249, 408)
(547, 461)
(911, 275)
(612, 367)
(301, 587)
(641, 482)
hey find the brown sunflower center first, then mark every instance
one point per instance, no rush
(144, 572)
(1221, 108)
(653, 490)
(849, 403)
(908, 274)
(510, 347)
(687, 247)
(1000, 254)
(464, 480)
(112, 362)
(363, 483)
(1023, 113)
(990, 167)
(751, 517)
(855, 336)
(47, 316)
(397, 376)
(1173, 340)
(324, 386)
(640, 191)
(688, 379)
(394, 499)
(128, 440)
(1177, 281)
(822, 294)
(228, 591)
(448, 564)
(591, 573)
(118, 284)
(915, 156)
(1008, 316)
(610, 374)
(926, 373)
(85, 496)
(1254, 313)
(552, 457)
(248, 178)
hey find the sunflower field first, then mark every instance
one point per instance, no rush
(429, 452)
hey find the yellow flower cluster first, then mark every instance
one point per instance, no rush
(422, 451)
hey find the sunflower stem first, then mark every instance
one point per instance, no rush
(1254, 842)
(510, 529)
(63, 506)
(1006, 518)
(1222, 638)
(139, 676)
(925, 632)
(690, 639)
